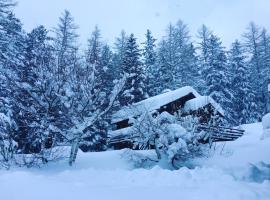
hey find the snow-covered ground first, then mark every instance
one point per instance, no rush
(235, 171)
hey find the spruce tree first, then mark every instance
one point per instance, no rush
(149, 61)
(243, 96)
(11, 46)
(265, 54)
(65, 45)
(119, 53)
(132, 68)
(177, 58)
(254, 49)
(216, 75)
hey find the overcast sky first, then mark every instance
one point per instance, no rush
(228, 18)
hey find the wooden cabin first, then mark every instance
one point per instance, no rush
(171, 102)
(185, 100)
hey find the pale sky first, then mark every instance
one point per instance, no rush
(227, 18)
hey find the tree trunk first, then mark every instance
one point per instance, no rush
(74, 150)
(157, 149)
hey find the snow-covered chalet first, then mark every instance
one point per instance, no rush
(185, 100)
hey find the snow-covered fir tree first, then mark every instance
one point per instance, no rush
(204, 35)
(11, 72)
(65, 44)
(29, 118)
(132, 67)
(215, 73)
(10, 48)
(99, 63)
(243, 96)
(149, 61)
(253, 46)
(265, 51)
(119, 53)
(176, 58)
(107, 68)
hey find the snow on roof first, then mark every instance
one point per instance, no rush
(152, 103)
(201, 101)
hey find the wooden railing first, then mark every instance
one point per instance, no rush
(213, 134)
(219, 133)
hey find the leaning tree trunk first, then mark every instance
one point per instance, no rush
(156, 148)
(74, 150)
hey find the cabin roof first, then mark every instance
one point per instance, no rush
(200, 102)
(152, 103)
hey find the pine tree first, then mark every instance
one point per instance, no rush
(204, 35)
(11, 38)
(93, 56)
(265, 57)
(149, 61)
(119, 53)
(254, 49)
(134, 90)
(65, 44)
(168, 60)
(243, 96)
(11, 56)
(177, 58)
(99, 62)
(216, 75)
(107, 68)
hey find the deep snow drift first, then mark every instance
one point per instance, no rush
(235, 170)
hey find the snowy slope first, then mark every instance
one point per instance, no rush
(225, 175)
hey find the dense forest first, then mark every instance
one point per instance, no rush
(53, 92)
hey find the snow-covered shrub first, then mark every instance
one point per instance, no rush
(266, 126)
(258, 172)
(173, 139)
(41, 158)
(138, 160)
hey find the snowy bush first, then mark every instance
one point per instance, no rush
(138, 160)
(258, 172)
(41, 158)
(174, 139)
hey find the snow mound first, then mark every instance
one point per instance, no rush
(266, 121)
(266, 126)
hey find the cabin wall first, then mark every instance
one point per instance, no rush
(122, 124)
(205, 114)
(175, 106)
